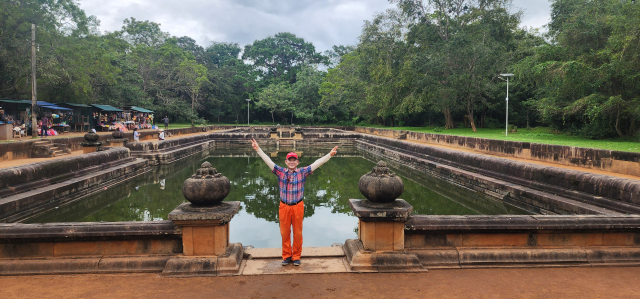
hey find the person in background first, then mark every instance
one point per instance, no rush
(136, 135)
(161, 135)
(45, 126)
(291, 212)
(166, 122)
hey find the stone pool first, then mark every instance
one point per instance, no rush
(328, 218)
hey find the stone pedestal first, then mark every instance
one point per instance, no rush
(381, 225)
(205, 241)
(380, 244)
(90, 147)
(205, 230)
(117, 142)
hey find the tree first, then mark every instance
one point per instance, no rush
(143, 33)
(462, 44)
(306, 104)
(278, 58)
(587, 77)
(276, 98)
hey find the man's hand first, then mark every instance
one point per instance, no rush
(255, 146)
(334, 151)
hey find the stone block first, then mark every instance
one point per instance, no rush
(440, 258)
(471, 239)
(63, 249)
(614, 255)
(377, 236)
(26, 250)
(49, 266)
(492, 257)
(361, 260)
(191, 266)
(617, 239)
(140, 264)
(205, 240)
(569, 239)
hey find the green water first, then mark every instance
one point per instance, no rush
(328, 218)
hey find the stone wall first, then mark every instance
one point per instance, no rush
(32, 188)
(614, 161)
(23, 178)
(534, 188)
(498, 241)
(15, 150)
(67, 248)
(624, 190)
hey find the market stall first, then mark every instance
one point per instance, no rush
(82, 118)
(106, 117)
(138, 117)
(60, 117)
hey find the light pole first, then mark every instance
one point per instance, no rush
(248, 100)
(506, 129)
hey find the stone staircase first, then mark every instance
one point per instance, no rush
(44, 148)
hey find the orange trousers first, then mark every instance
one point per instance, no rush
(291, 216)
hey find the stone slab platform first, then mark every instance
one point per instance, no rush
(309, 266)
(307, 252)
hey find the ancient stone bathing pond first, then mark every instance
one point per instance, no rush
(328, 218)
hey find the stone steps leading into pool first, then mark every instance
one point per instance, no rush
(80, 184)
(532, 196)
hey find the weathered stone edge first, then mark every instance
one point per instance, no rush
(521, 222)
(18, 232)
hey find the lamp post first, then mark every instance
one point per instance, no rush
(506, 129)
(248, 100)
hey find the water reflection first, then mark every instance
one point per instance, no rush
(328, 218)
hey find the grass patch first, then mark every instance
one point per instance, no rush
(534, 135)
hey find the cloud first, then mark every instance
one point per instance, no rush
(323, 22)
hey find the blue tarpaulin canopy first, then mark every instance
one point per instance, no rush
(54, 107)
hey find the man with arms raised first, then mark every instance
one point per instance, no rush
(291, 182)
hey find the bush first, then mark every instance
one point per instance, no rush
(438, 129)
(492, 123)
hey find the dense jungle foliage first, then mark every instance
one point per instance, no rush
(422, 63)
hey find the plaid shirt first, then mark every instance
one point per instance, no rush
(291, 183)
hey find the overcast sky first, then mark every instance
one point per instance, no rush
(322, 22)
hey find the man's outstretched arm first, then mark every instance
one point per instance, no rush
(324, 159)
(262, 155)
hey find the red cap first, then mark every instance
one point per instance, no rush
(292, 155)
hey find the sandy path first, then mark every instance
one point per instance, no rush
(572, 282)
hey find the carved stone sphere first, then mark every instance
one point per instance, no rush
(117, 134)
(380, 184)
(207, 187)
(91, 137)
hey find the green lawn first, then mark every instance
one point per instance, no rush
(536, 135)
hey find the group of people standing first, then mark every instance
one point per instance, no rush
(161, 136)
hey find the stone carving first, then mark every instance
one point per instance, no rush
(91, 137)
(117, 134)
(380, 184)
(207, 187)
(91, 143)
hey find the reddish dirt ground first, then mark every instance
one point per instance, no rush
(606, 282)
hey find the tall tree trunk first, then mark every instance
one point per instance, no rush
(483, 117)
(632, 128)
(273, 120)
(448, 118)
(471, 121)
